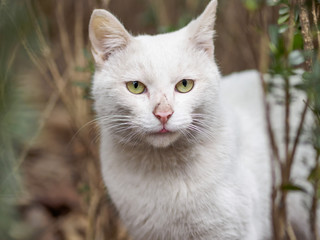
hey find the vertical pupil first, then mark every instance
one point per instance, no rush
(184, 82)
(135, 84)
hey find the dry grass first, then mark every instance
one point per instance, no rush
(57, 65)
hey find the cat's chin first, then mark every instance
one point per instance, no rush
(162, 140)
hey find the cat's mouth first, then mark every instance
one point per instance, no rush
(164, 130)
(162, 133)
(162, 138)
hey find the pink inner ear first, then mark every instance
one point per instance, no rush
(107, 35)
(206, 46)
(209, 50)
(201, 29)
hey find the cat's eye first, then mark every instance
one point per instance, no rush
(136, 87)
(185, 85)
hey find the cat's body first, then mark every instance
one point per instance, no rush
(161, 194)
(191, 165)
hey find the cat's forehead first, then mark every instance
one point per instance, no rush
(160, 56)
(165, 40)
(161, 47)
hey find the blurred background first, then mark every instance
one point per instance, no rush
(50, 183)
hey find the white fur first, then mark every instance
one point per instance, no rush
(211, 182)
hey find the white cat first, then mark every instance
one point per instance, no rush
(183, 155)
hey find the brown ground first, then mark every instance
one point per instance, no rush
(58, 200)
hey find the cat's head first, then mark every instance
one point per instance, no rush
(155, 89)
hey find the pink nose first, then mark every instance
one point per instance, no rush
(163, 116)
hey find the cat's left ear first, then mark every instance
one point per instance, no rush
(107, 35)
(201, 30)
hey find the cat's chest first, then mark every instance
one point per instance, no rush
(188, 203)
(175, 180)
(145, 184)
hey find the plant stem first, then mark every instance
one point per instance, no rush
(287, 127)
(274, 158)
(315, 22)
(306, 32)
(299, 131)
(314, 205)
(63, 34)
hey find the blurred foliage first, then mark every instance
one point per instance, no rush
(16, 116)
(89, 68)
(285, 54)
(287, 50)
(294, 45)
(312, 87)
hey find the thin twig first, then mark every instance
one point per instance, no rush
(290, 34)
(315, 20)
(290, 232)
(43, 119)
(37, 62)
(78, 33)
(163, 15)
(285, 168)
(275, 157)
(287, 127)
(12, 57)
(298, 133)
(64, 36)
(269, 124)
(32, 55)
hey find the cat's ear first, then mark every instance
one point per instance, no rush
(201, 30)
(106, 34)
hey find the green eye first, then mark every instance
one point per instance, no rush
(136, 87)
(185, 85)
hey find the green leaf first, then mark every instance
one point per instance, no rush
(83, 85)
(296, 58)
(80, 69)
(283, 28)
(292, 187)
(86, 54)
(300, 86)
(298, 41)
(314, 174)
(165, 29)
(283, 19)
(318, 193)
(274, 34)
(273, 2)
(251, 5)
(284, 10)
(273, 48)
(306, 75)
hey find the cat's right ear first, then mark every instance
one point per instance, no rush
(107, 35)
(201, 29)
